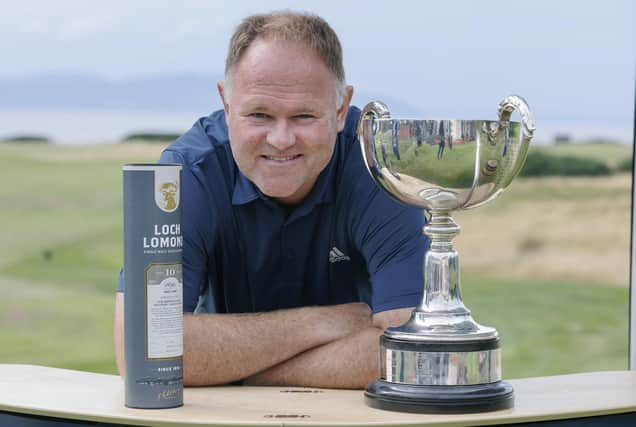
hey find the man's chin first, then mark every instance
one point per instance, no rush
(282, 195)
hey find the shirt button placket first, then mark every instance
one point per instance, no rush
(284, 253)
(290, 269)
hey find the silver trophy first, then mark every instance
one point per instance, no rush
(441, 360)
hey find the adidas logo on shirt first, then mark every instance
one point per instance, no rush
(336, 255)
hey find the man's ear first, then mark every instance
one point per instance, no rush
(222, 94)
(341, 114)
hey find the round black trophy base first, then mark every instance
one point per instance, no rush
(439, 399)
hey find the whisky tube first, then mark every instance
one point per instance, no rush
(153, 286)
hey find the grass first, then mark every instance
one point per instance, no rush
(550, 328)
(551, 229)
(61, 252)
(52, 325)
(547, 263)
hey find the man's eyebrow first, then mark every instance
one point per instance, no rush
(252, 106)
(306, 110)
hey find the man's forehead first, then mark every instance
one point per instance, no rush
(280, 83)
(276, 69)
(282, 56)
(293, 103)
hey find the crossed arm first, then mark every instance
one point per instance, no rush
(329, 346)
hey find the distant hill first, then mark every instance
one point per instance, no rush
(67, 91)
(171, 93)
(195, 95)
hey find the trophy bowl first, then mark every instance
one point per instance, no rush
(441, 360)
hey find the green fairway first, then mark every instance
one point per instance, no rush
(552, 328)
(50, 324)
(61, 253)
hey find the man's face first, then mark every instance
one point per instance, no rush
(282, 117)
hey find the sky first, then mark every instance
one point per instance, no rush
(574, 61)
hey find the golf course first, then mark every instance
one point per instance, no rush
(547, 263)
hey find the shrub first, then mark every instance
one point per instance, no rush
(539, 163)
(151, 137)
(39, 139)
(624, 165)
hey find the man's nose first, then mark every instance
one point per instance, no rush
(281, 135)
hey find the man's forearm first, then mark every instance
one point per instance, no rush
(351, 362)
(221, 348)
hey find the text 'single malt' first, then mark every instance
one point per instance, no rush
(153, 286)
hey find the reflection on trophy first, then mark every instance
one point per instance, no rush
(441, 360)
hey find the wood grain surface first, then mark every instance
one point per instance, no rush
(53, 392)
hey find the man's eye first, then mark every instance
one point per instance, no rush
(304, 116)
(258, 115)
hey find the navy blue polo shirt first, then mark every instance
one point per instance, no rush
(347, 241)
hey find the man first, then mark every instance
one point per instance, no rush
(294, 261)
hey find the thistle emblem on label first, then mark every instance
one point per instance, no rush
(167, 189)
(167, 196)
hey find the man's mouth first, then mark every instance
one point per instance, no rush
(281, 158)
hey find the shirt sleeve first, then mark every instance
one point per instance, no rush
(197, 295)
(391, 241)
(120, 281)
(389, 236)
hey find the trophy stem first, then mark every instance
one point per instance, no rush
(441, 315)
(441, 360)
(442, 291)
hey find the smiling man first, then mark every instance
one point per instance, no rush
(294, 261)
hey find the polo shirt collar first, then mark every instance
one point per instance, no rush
(244, 190)
(323, 190)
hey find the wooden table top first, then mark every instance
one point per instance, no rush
(38, 390)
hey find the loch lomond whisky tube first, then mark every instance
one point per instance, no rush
(153, 286)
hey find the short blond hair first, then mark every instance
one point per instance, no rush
(305, 28)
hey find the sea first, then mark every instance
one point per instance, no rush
(92, 127)
(98, 127)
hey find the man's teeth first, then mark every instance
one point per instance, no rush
(279, 158)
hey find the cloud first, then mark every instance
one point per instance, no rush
(87, 25)
(428, 54)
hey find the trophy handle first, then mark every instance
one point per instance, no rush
(375, 110)
(516, 102)
(366, 129)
